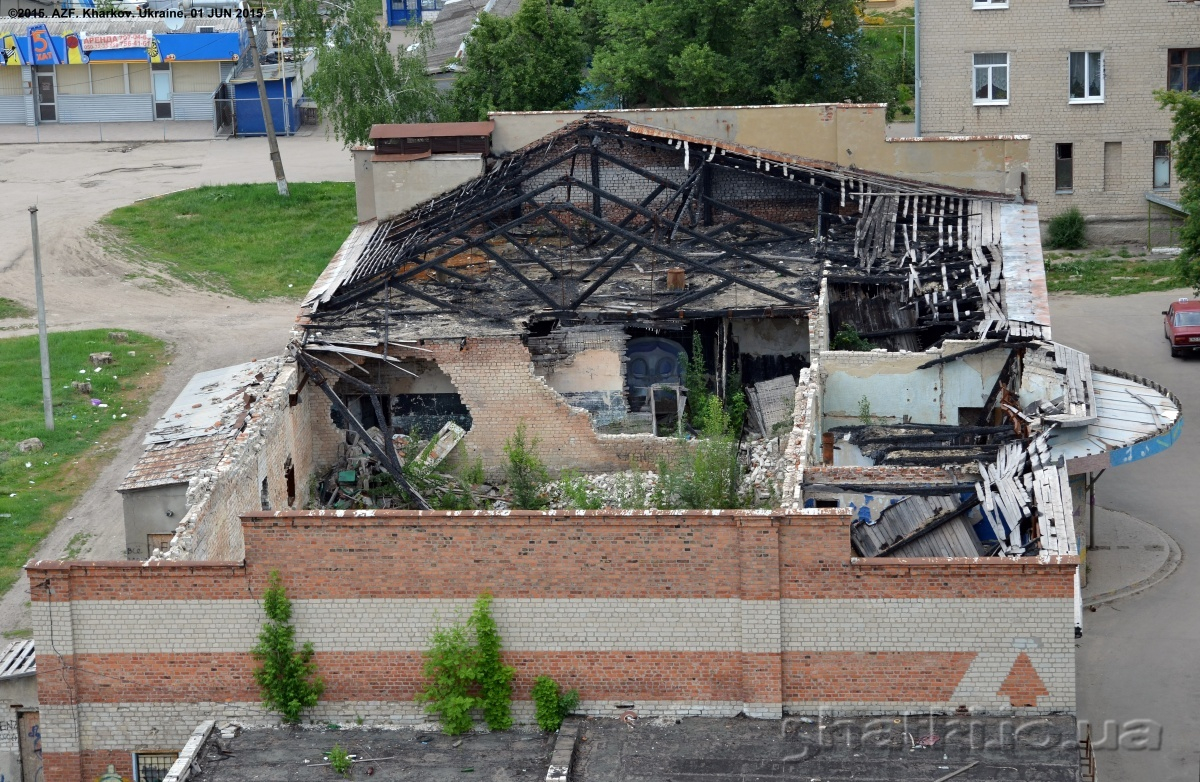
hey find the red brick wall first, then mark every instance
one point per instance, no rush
(758, 559)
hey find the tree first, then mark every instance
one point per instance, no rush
(1185, 153)
(359, 81)
(728, 52)
(287, 677)
(531, 61)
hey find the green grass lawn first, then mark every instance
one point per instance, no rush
(240, 239)
(38, 487)
(13, 309)
(1105, 273)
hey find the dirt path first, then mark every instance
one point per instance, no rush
(86, 287)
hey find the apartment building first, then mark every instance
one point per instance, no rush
(1077, 76)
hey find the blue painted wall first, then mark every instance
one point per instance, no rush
(249, 108)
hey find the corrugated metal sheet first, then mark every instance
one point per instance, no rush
(105, 108)
(18, 659)
(227, 68)
(175, 462)
(12, 109)
(1129, 413)
(956, 538)
(192, 105)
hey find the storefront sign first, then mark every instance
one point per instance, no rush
(98, 43)
(41, 46)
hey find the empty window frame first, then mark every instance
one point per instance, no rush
(1162, 165)
(991, 79)
(1183, 69)
(986, 4)
(1087, 77)
(1064, 168)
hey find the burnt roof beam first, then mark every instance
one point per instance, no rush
(683, 259)
(726, 249)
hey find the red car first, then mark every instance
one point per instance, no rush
(1181, 326)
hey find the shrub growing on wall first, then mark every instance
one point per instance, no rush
(287, 676)
(551, 704)
(465, 671)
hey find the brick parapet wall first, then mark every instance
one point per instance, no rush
(677, 612)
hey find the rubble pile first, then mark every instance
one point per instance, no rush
(762, 482)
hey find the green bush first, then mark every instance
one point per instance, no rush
(286, 677)
(1067, 230)
(847, 338)
(495, 678)
(339, 758)
(526, 472)
(465, 671)
(552, 705)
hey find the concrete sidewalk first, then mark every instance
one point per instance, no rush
(104, 132)
(1127, 556)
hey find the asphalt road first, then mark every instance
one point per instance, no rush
(1138, 659)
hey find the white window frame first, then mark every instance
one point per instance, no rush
(1087, 64)
(1007, 66)
(989, 5)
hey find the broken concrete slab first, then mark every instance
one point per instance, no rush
(773, 403)
(441, 445)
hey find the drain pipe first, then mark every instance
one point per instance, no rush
(917, 68)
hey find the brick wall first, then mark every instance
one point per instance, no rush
(495, 378)
(286, 424)
(678, 613)
(1038, 37)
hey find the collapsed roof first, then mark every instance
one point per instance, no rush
(583, 225)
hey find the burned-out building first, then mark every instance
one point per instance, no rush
(920, 435)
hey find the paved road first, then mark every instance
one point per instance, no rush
(88, 287)
(1138, 658)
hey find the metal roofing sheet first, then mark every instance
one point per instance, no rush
(1025, 295)
(201, 408)
(18, 659)
(1128, 412)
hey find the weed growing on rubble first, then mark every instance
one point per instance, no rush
(465, 671)
(526, 472)
(630, 488)
(287, 677)
(577, 492)
(551, 704)
(847, 338)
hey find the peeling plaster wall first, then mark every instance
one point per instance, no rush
(899, 392)
(587, 367)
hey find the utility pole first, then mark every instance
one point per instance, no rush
(43, 344)
(268, 122)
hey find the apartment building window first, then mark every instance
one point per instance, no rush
(1183, 69)
(1162, 165)
(991, 79)
(1064, 168)
(1087, 77)
(985, 4)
